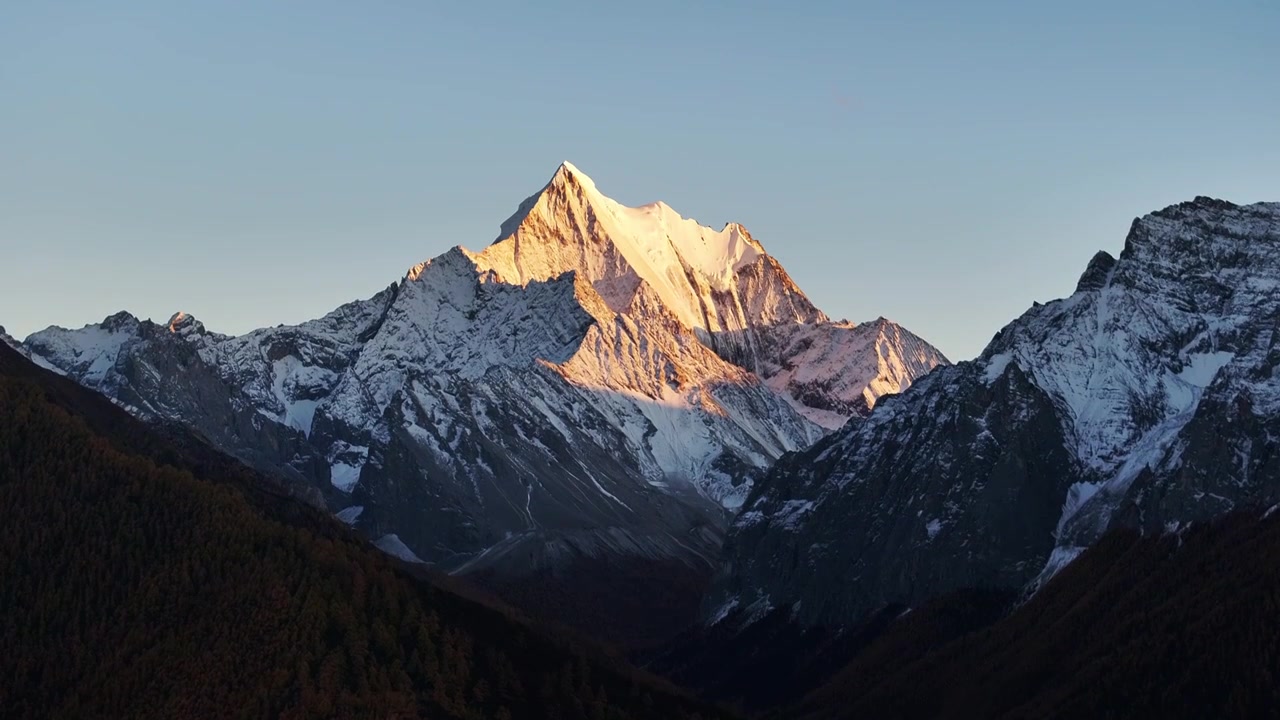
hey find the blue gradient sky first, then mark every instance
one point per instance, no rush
(943, 164)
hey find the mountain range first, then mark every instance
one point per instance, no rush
(599, 382)
(626, 422)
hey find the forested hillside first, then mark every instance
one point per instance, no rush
(1173, 626)
(138, 585)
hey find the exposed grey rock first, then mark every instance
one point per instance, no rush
(1096, 274)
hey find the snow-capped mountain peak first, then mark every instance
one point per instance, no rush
(569, 172)
(599, 379)
(709, 280)
(715, 254)
(651, 262)
(1146, 399)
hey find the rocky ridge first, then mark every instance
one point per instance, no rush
(1146, 399)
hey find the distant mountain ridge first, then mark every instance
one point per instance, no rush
(1147, 399)
(600, 381)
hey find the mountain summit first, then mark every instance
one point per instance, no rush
(736, 298)
(713, 281)
(601, 381)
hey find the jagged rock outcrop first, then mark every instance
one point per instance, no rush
(8, 339)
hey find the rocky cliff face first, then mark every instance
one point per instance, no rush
(599, 381)
(1147, 398)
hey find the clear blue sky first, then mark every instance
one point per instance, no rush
(941, 164)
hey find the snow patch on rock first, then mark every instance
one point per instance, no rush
(392, 545)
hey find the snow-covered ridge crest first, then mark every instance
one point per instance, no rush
(1200, 275)
(1148, 398)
